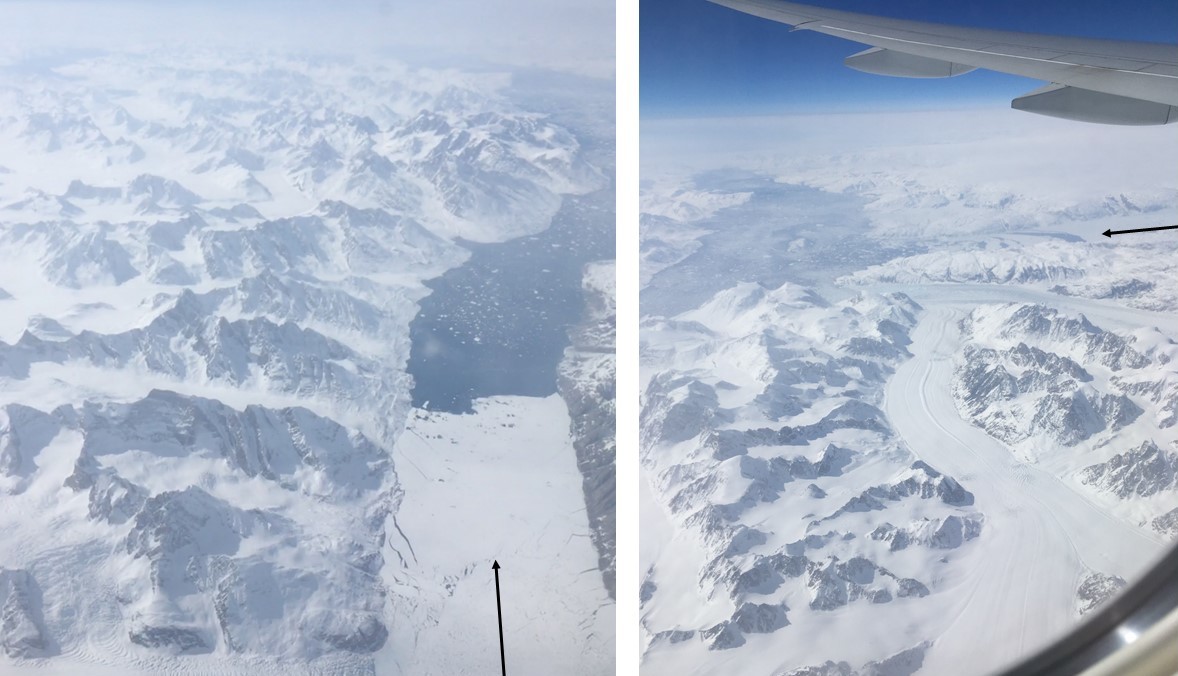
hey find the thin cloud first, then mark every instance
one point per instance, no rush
(568, 35)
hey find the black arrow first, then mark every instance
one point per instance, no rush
(1110, 232)
(499, 606)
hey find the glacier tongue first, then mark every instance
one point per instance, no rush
(462, 495)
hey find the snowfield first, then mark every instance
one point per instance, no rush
(557, 617)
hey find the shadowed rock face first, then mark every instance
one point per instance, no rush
(948, 533)
(193, 542)
(22, 628)
(586, 381)
(1023, 391)
(768, 479)
(1167, 524)
(1098, 588)
(1063, 408)
(838, 583)
(675, 636)
(176, 640)
(113, 498)
(679, 408)
(827, 668)
(279, 445)
(24, 432)
(1099, 346)
(1142, 472)
(923, 482)
(749, 618)
(363, 634)
(903, 663)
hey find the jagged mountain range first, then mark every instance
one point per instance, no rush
(214, 263)
(444, 148)
(1131, 273)
(1064, 392)
(777, 464)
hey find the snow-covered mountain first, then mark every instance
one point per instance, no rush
(1024, 391)
(806, 457)
(1065, 393)
(786, 496)
(1131, 273)
(902, 402)
(212, 262)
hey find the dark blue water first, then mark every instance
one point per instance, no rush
(498, 324)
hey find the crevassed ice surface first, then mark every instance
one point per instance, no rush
(209, 461)
(906, 411)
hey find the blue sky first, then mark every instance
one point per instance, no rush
(700, 59)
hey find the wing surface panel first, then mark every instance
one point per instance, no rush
(1135, 70)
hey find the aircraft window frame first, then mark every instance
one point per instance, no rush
(1114, 626)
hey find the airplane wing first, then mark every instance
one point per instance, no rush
(1092, 80)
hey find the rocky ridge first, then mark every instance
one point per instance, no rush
(586, 381)
(800, 434)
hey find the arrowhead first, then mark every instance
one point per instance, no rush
(495, 566)
(1108, 233)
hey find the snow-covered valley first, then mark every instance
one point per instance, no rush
(1045, 533)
